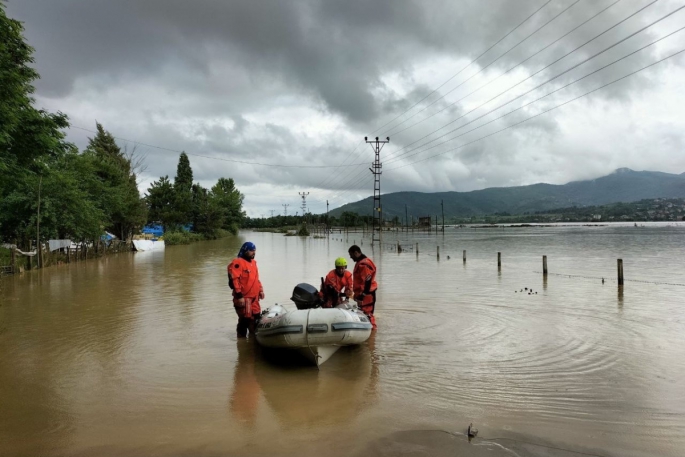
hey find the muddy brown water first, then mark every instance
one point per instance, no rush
(136, 354)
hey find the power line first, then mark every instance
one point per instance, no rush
(615, 44)
(360, 174)
(510, 69)
(392, 131)
(437, 88)
(468, 65)
(544, 112)
(220, 158)
(550, 93)
(394, 159)
(520, 82)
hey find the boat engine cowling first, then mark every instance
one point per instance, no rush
(305, 296)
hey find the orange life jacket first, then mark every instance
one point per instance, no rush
(338, 283)
(244, 276)
(364, 276)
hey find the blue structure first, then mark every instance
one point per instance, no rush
(153, 229)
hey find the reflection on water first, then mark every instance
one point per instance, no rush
(246, 391)
(135, 354)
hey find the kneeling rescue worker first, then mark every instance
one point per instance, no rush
(332, 287)
(243, 278)
(364, 282)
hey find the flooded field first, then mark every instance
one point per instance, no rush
(136, 354)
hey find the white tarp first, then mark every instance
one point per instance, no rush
(148, 245)
(58, 244)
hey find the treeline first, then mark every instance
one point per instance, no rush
(51, 190)
(346, 219)
(659, 209)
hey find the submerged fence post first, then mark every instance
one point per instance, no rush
(417, 249)
(544, 265)
(619, 264)
(464, 255)
(438, 252)
(499, 260)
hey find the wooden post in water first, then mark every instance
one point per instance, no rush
(499, 260)
(619, 264)
(68, 254)
(438, 252)
(464, 255)
(399, 249)
(13, 256)
(417, 249)
(544, 265)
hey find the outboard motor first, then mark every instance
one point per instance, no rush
(306, 296)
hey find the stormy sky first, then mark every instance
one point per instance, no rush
(279, 95)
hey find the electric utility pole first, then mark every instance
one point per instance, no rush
(304, 203)
(442, 208)
(285, 209)
(376, 145)
(272, 213)
(327, 230)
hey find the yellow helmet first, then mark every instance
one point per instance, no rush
(340, 262)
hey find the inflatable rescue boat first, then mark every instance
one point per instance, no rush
(317, 333)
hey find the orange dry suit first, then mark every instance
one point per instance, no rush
(243, 278)
(332, 288)
(364, 280)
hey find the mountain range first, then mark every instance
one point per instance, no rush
(623, 185)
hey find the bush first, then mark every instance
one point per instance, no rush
(183, 237)
(175, 238)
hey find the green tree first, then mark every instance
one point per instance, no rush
(183, 185)
(32, 144)
(160, 201)
(230, 200)
(207, 213)
(116, 188)
(349, 219)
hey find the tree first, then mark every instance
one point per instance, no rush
(230, 200)
(117, 194)
(183, 184)
(31, 141)
(160, 202)
(207, 213)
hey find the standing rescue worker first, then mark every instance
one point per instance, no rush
(243, 278)
(364, 282)
(337, 280)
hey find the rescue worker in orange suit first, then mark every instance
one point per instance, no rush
(364, 282)
(243, 278)
(337, 286)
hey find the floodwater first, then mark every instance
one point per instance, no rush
(136, 354)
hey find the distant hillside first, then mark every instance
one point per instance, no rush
(623, 185)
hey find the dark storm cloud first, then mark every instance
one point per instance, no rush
(302, 82)
(333, 50)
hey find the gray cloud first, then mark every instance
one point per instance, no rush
(304, 82)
